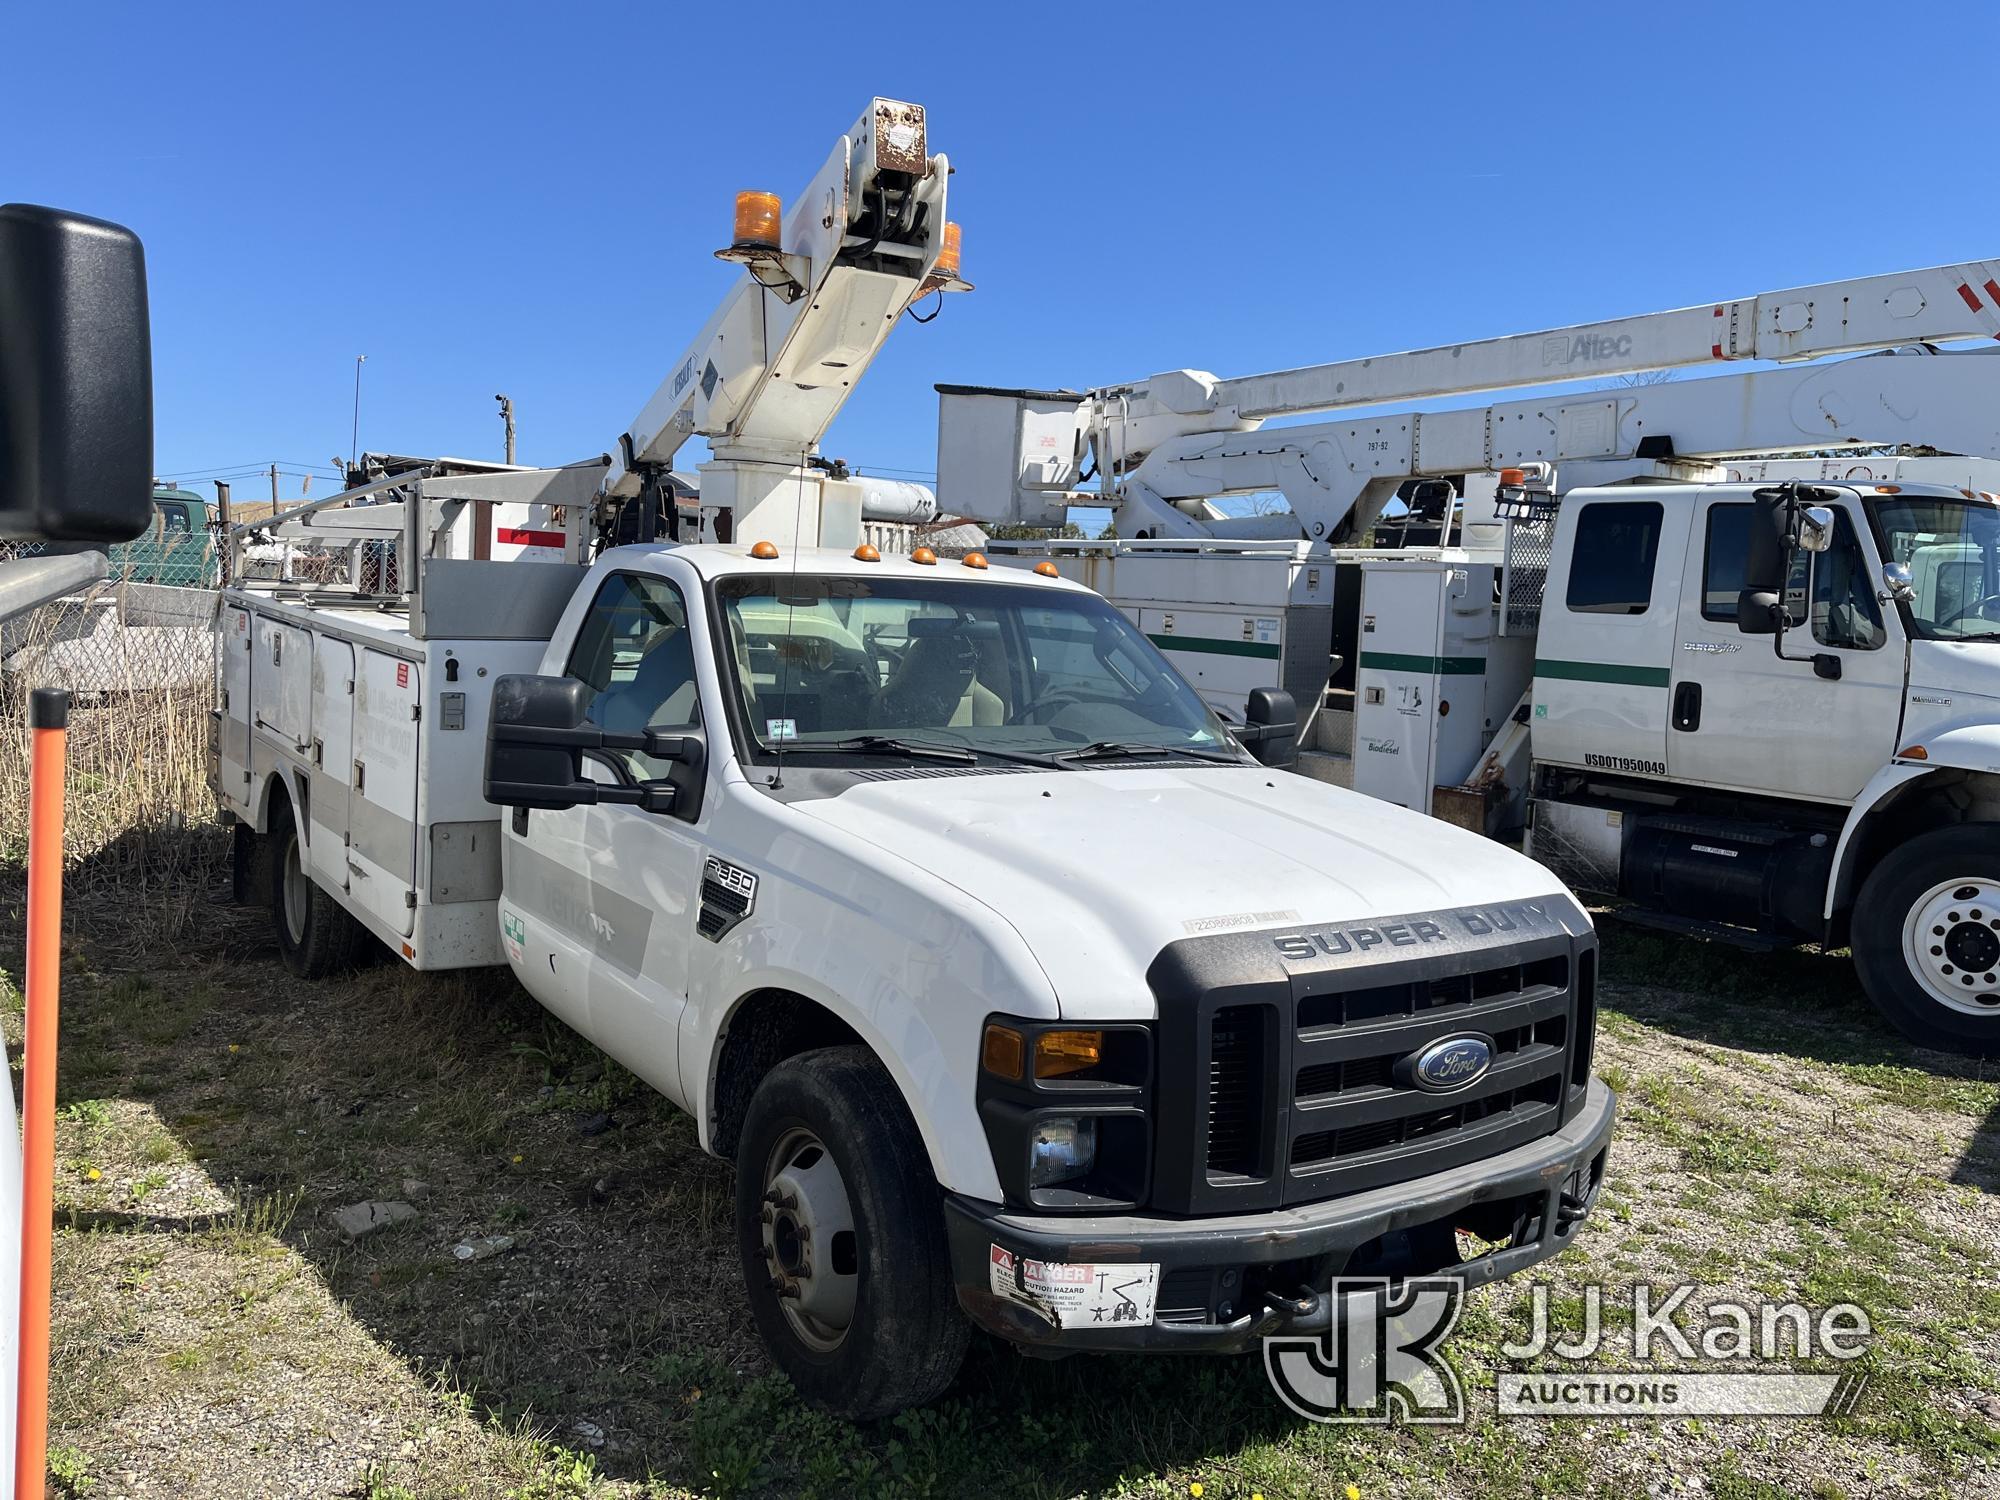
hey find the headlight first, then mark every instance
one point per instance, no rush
(1061, 1149)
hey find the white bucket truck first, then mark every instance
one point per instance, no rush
(1023, 993)
(1588, 642)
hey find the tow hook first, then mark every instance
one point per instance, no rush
(1302, 1306)
(1570, 1208)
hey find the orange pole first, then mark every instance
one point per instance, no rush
(48, 724)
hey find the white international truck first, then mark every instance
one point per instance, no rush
(1586, 643)
(1024, 993)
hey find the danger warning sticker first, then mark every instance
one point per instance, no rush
(1078, 1294)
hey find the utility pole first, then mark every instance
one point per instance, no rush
(274, 483)
(354, 437)
(507, 416)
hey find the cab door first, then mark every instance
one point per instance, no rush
(607, 895)
(1746, 719)
(1607, 632)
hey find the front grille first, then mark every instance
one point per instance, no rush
(1304, 1080)
(1235, 1101)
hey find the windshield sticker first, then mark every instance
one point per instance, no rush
(781, 729)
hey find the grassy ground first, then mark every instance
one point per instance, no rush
(215, 1335)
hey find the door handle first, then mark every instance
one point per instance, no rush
(1687, 707)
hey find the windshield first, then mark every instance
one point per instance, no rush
(885, 666)
(1949, 546)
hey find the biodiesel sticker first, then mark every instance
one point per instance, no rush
(513, 933)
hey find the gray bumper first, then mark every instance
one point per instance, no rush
(1556, 1179)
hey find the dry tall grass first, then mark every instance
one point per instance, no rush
(139, 813)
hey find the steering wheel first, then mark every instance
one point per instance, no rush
(1982, 608)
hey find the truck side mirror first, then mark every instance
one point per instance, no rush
(530, 758)
(1758, 612)
(539, 732)
(76, 379)
(1815, 528)
(1271, 728)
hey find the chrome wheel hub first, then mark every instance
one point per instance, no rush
(1951, 942)
(807, 1226)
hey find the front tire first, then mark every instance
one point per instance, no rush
(841, 1229)
(316, 935)
(1927, 939)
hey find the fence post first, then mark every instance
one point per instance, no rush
(48, 723)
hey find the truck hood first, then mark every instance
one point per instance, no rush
(1099, 870)
(1952, 683)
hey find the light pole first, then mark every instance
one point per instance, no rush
(354, 436)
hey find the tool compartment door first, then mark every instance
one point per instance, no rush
(1222, 653)
(332, 757)
(1397, 683)
(382, 800)
(234, 650)
(283, 674)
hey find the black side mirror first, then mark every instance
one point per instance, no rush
(1271, 728)
(76, 379)
(1758, 612)
(538, 734)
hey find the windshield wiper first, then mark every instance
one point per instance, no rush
(885, 744)
(1121, 750)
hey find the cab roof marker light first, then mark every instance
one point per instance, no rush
(925, 556)
(1048, 570)
(974, 560)
(867, 553)
(764, 551)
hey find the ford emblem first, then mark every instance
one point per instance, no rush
(1452, 1063)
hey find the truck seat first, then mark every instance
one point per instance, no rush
(661, 694)
(937, 684)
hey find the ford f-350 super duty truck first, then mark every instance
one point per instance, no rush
(1021, 994)
(1024, 993)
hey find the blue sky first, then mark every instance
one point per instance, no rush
(500, 197)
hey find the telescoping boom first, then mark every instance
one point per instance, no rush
(828, 276)
(1169, 445)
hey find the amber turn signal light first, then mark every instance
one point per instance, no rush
(1002, 1052)
(1058, 1053)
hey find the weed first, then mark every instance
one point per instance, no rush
(70, 1468)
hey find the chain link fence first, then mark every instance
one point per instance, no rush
(139, 662)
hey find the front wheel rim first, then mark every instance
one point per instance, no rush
(1951, 944)
(806, 1227)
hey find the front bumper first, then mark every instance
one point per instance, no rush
(1555, 1181)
